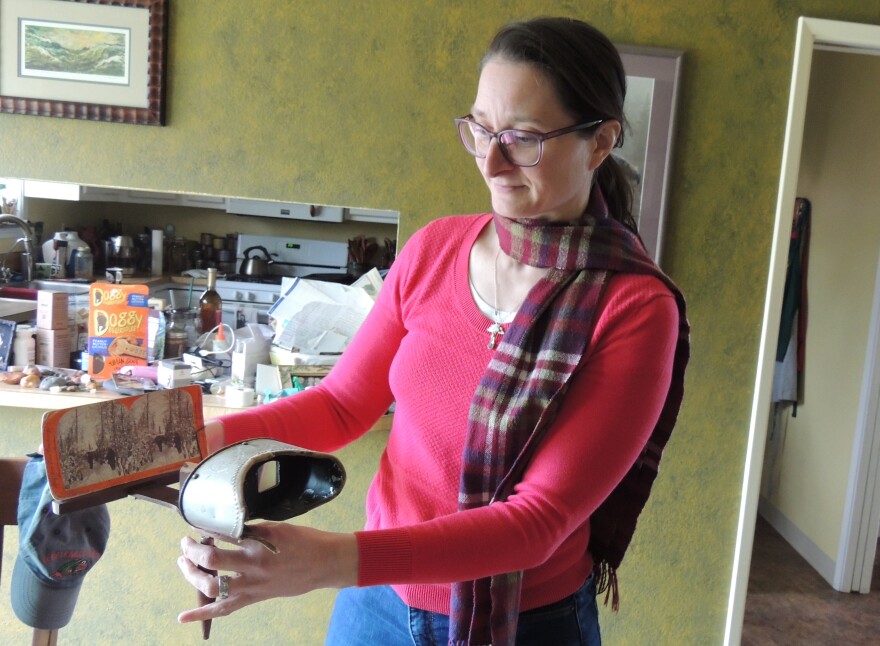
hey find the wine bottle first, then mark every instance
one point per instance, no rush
(210, 304)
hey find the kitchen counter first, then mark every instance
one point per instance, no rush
(18, 397)
(34, 398)
(150, 281)
(22, 308)
(20, 311)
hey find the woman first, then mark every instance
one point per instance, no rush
(535, 356)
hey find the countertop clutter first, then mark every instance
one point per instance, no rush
(117, 315)
(152, 252)
(112, 339)
(76, 335)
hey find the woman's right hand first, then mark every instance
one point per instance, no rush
(302, 559)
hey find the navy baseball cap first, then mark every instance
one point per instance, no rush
(55, 552)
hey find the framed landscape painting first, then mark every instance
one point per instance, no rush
(102, 60)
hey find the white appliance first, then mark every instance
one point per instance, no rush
(247, 299)
(297, 256)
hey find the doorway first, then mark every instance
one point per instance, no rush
(857, 510)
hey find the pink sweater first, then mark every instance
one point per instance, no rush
(424, 347)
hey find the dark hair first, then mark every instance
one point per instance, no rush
(590, 81)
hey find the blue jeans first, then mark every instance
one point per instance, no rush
(376, 616)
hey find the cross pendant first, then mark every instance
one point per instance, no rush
(495, 330)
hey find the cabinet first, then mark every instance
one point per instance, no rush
(237, 206)
(98, 194)
(204, 201)
(284, 210)
(377, 216)
(77, 192)
(52, 190)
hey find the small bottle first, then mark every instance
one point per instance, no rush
(24, 347)
(210, 304)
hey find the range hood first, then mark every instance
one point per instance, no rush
(284, 210)
(237, 206)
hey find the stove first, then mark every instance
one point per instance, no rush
(248, 298)
(297, 256)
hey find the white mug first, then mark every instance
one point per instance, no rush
(114, 275)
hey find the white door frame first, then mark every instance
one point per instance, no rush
(858, 537)
(812, 34)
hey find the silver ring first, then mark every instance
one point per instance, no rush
(223, 583)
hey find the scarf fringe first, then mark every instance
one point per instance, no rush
(606, 581)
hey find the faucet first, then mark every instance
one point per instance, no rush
(27, 257)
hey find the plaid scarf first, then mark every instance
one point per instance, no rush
(522, 388)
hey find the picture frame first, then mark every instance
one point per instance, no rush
(99, 60)
(653, 79)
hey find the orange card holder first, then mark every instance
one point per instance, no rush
(104, 451)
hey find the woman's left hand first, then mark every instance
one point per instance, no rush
(306, 559)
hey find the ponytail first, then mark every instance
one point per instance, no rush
(617, 191)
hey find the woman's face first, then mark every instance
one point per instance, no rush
(519, 96)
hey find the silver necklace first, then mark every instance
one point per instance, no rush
(495, 329)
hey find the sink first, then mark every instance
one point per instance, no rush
(68, 286)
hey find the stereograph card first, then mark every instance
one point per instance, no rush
(122, 442)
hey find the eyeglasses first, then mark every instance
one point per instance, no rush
(519, 147)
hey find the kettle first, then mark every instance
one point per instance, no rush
(256, 267)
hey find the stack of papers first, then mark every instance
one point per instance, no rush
(318, 317)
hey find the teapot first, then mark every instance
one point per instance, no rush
(255, 267)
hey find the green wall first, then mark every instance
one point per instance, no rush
(351, 103)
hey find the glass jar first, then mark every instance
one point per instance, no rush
(83, 263)
(181, 331)
(178, 262)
